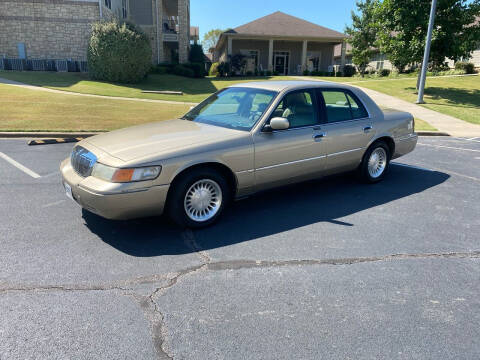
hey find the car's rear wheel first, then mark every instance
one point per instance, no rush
(375, 163)
(198, 198)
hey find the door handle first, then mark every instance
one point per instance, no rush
(368, 128)
(319, 136)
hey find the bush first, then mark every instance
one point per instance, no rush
(118, 53)
(268, 73)
(223, 69)
(249, 73)
(385, 72)
(196, 54)
(467, 67)
(198, 69)
(306, 72)
(349, 70)
(182, 70)
(214, 69)
(162, 69)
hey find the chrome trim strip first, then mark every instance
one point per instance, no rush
(245, 171)
(407, 137)
(292, 162)
(344, 152)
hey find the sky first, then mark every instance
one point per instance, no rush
(224, 14)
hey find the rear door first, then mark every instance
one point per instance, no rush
(348, 129)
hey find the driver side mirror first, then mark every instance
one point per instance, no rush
(279, 123)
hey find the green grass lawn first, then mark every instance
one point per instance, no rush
(195, 90)
(421, 125)
(31, 110)
(455, 96)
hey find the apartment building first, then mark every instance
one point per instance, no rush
(60, 29)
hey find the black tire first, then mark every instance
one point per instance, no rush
(364, 172)
(175, 207)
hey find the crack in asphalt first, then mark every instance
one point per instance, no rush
(152, 310)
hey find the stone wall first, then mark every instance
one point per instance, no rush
(50, 29)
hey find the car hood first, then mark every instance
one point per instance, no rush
(159, 139)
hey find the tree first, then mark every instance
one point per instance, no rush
(402, 30)
(210, 39)
(363, 33)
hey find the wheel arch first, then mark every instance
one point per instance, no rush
(386, 139)
(221, 168)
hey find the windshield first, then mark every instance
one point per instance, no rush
(234, 108)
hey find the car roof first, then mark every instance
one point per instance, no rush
(290, 85)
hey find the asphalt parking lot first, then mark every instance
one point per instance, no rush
(330, 269)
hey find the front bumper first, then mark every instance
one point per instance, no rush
(114, 201)
(405, 145)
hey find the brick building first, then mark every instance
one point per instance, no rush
(60, 29)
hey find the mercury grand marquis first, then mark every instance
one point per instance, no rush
(239, 141)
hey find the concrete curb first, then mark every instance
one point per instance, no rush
(432, 133)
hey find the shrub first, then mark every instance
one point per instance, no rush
(467, 67)
(275, 73)
(349, 70)
(197, 68)
(237, 63)
(268, 73)
(182, 70)
(385, 72)
(249, 73)
(196, 54)
(223, 69)
(214, 69)
(306, 72)
(118, 52)
(162, 69)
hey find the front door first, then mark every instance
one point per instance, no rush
(281, 64)
(288, 156)
(348, 130)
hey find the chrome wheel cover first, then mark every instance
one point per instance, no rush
(377, 162)
(203, 200)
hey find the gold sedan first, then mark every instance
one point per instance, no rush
(241, 140)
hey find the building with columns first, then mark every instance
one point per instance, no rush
(60, 29)
(282, 43)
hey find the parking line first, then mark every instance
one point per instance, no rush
(449, 147)
(20, 166)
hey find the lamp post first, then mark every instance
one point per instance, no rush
(426, 57)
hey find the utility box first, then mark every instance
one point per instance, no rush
(22, 51)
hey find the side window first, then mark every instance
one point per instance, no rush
(338, 107)
(358, 110)
(342, 106)
(298, 108)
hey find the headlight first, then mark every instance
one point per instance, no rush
(116, 175)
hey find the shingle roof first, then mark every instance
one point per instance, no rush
(281, 24)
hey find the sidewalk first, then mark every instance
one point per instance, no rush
(444, 123)
(39, 88)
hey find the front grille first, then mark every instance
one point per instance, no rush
(82, 161)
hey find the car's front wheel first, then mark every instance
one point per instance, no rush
(375, 162)
(198, 198)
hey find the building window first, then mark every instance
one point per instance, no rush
(313, 60)
(124, 9)
(108, 4)
(252, 57)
